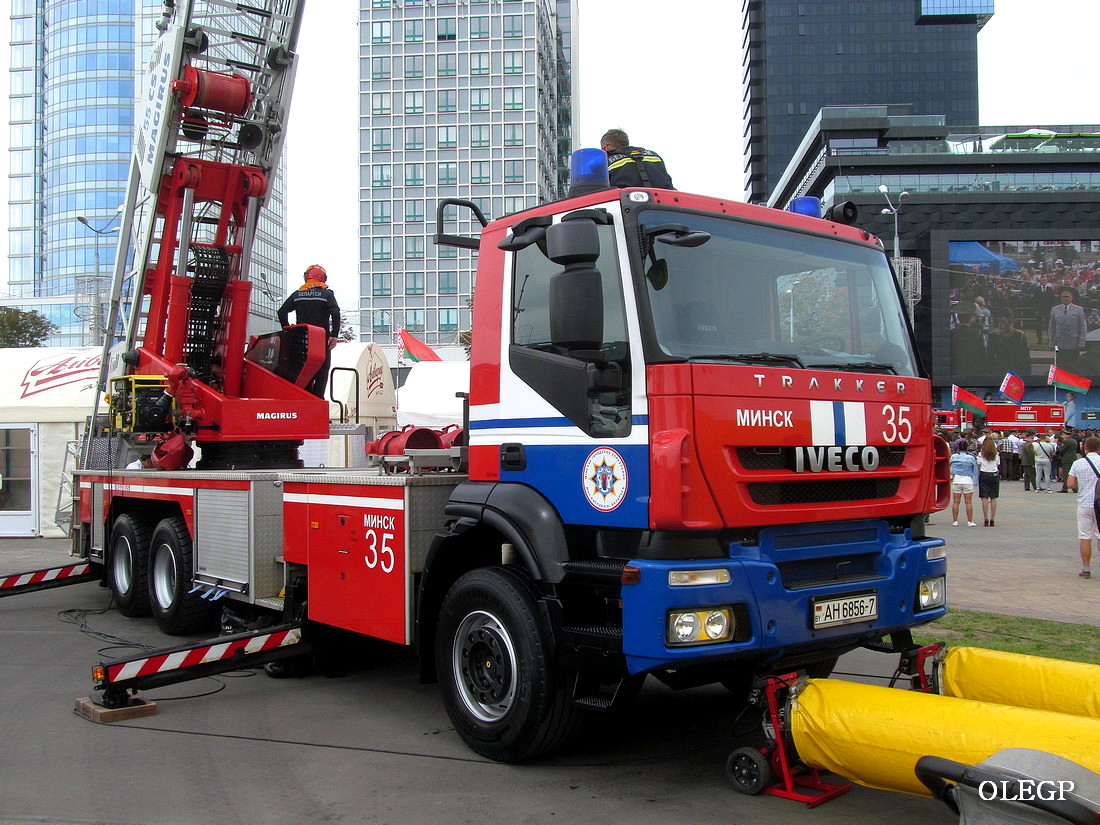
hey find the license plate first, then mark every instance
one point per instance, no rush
(845, 610)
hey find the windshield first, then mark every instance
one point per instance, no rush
(757, 294)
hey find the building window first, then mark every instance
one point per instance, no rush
(414, 320)
(448, 100)
(447, 137)
(513, 25)
(414, 246)
(414, 65)
(448, 173)
(414, 283)
(513, 99)
(414, 31)
(446, 65)
(381, 321)
(513, 62)
(513, 171)
(479, 100)
(414, 174)
(446, 28)
(513, 134)
(380, 103)
(414, 211)
(380, 283)
(447, 252)
(380, 212)
(380, 4)
(380, 31)
(381, 174)
(484, 205)
(513, 204)
(414, 103)
(448, 283)
(380, 249)
(479, 28)
(479, 63)
(479, 137)
(448, 320)
(380, 68)
(414, 137)
(480, 171)
(380, 139)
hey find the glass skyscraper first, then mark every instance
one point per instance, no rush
(802, 55)
(469, 99)
(75, 71)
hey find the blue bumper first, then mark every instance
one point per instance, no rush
(773, 586)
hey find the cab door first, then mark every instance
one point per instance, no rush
(19, 493)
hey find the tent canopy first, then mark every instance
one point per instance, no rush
(972, 253)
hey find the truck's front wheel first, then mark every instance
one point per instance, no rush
(506, 698)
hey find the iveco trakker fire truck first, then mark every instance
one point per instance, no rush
(699, 441)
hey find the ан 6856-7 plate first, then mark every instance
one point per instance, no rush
(858, 607)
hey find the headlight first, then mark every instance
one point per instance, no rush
(934, 553)
(700, 627)
(685, 578)
(932, 592)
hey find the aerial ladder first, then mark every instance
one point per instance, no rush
(209, 134)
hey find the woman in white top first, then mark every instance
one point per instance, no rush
(1044, 452)
(989, 480)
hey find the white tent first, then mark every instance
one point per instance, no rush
(428, 396)
(50, 393)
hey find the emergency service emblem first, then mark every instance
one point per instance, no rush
(604, 479)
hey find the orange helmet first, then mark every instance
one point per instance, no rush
(316, 272)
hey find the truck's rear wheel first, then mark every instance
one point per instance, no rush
(506, 698)
(128, 565)
(171, 567)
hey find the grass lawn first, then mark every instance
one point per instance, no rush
(1035, 637)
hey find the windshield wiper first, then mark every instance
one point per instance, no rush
(848, 365)
(754, 358)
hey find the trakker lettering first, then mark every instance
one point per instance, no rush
(764, 418)
(787, 382)
(268, 416)
(835, 459)
(377, 522)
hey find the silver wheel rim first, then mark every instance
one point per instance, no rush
(122, 564)
(483, 657)
(164, 576)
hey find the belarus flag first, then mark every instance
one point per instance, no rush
(1012, 387)
(415, 349)
(967, 400)
(1067, 380)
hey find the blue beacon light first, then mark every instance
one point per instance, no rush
(806, 205)
(588, 172)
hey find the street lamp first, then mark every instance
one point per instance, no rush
(97, 328)
(893, 210)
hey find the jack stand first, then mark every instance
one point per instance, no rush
(752, 771)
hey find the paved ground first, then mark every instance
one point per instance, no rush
(377, 747)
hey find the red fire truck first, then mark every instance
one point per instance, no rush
(1039, 417)
(699, 448)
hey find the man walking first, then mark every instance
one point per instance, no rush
(1082, 480)
(1067, 454)
(1027, 461)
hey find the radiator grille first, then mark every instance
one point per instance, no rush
(782, 458)
(776, 493)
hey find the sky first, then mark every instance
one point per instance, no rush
(669, 78)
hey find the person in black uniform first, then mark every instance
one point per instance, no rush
(315, 304)
(632, 165)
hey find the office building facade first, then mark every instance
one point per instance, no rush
(469, 99)
(76, 68)
(802, 55)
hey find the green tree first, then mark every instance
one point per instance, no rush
(24, 328)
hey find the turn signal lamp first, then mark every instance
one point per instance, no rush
(699, 627)
(687, 578)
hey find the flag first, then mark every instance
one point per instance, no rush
(967, 400)
(1012, 387)
(415, 349)
(1067, 380)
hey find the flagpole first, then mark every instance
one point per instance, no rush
(1055, 386)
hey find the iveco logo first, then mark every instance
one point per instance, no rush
(834, 459)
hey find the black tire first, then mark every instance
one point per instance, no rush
(171, 566)
(502, 691)
(749, 770)
(128, 565)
